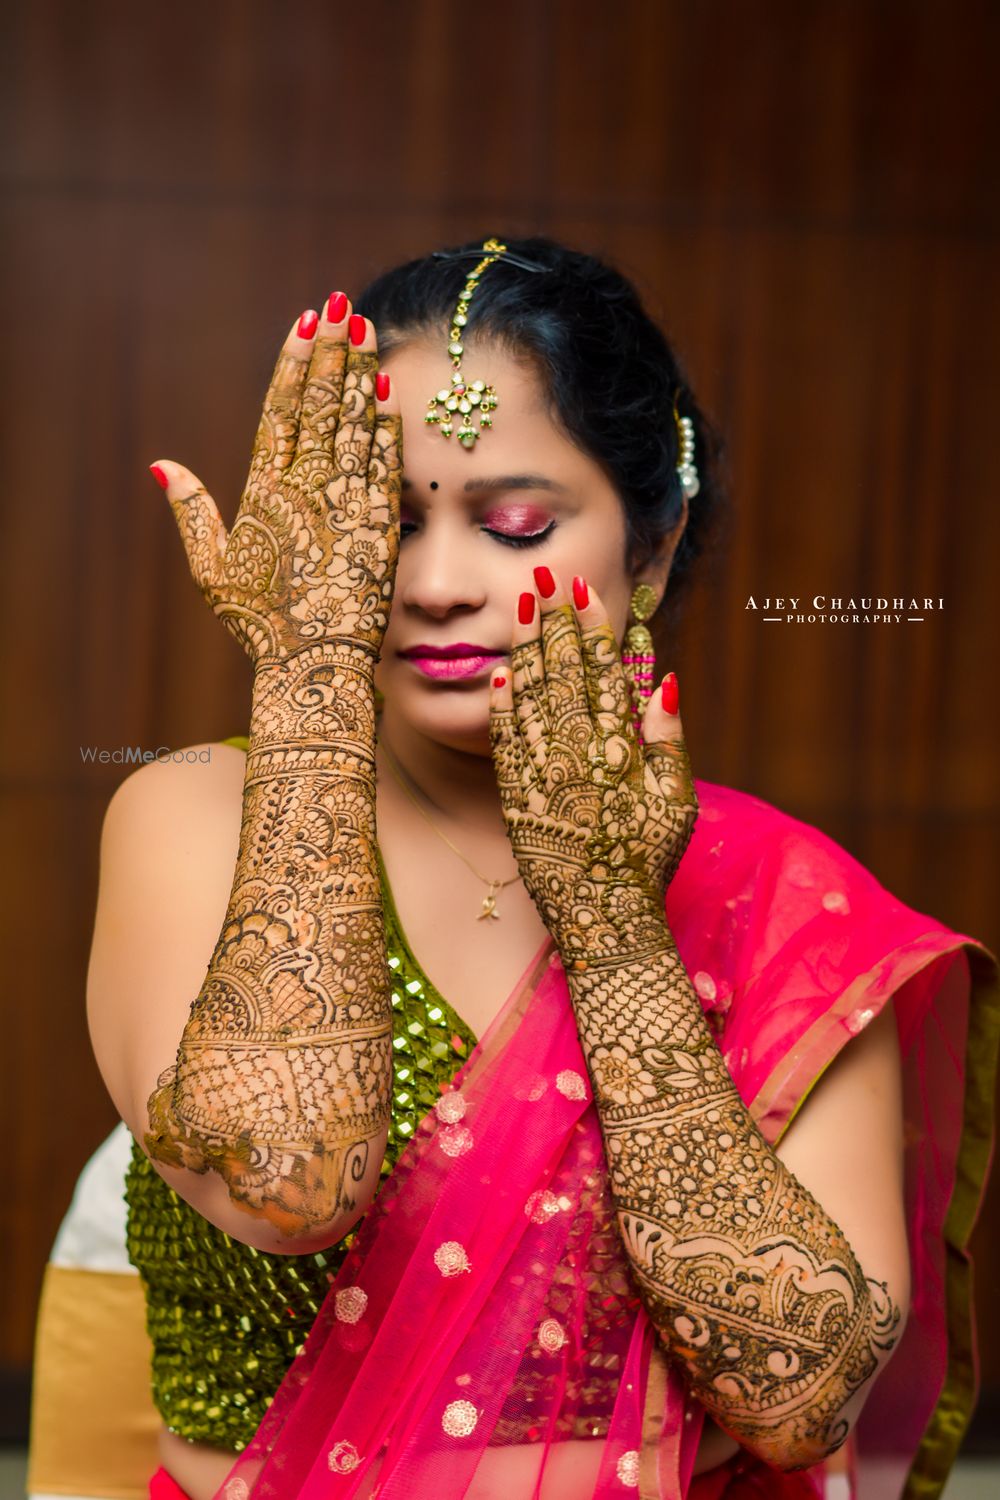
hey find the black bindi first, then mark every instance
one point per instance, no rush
(434, 484)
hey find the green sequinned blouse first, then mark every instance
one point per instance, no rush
(226, 1320)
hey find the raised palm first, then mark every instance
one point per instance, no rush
(312, 553)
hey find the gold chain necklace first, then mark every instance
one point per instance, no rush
(489, 900)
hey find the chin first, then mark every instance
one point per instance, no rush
(455, 716)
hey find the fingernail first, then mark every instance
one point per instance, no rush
(336, 307)
(159, 476)
(581, 598)
(545, 582)
(307, 323)
(526, 609)
(357, 328)
(382, 386)
(669, 695)
(499, 681)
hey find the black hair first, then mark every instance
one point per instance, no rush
(609, 375)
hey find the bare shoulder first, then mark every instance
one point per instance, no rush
(196, 780)
(853, 1116)
(169, 845)
(181, 814)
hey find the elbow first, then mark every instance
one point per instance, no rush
(799, 1444)
(288, 1222)
(283, 1203)
(815, 1432)
(282, 1239)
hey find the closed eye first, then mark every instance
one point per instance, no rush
(533, 539)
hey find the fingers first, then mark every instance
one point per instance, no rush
(527, 680)
(321, 396)
(607, 686)
(352, 440)
(505, 737)
(661, 722)
(566, 702)
(665, 751)
(277, 433)
(201, 527)
(318, 419)
(385, 464)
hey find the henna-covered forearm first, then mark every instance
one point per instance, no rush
(282, 1082)
(283, 1077)
(748, 1281)
(750, 1284)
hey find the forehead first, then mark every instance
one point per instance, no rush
(524, 437)
(422, 367)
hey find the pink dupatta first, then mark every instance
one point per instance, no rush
(484, 1338)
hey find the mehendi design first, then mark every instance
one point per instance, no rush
(597, 830)
(749, 1283)
(745, 1276)
(282, 1081)
(311, 555)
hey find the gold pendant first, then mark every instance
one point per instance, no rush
(490, 904)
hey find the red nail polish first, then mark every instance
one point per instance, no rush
(499, 681)
(545, 583)
(357, 328)
(526, 609)
(581, 596)
(382, 386)
(336, 307)
(669, 694)
(159, 476)
(307, 324)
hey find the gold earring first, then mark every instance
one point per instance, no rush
(638, 656)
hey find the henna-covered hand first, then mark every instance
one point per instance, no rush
(753, 1289)
(282, 1080)
(597, 822)
(312, 552)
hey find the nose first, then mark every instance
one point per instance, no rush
(437, 573)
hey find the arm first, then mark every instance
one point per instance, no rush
(281, 1081)
(748, 1280)
(169, 848)
(282, 1078)
(752, 1286)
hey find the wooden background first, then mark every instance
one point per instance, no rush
(801, 191)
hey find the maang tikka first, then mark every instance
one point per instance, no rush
(467, 398)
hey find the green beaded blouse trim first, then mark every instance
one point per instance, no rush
(226, 1320)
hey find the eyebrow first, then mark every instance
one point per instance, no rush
(507, 482)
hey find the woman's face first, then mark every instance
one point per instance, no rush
(473, 524)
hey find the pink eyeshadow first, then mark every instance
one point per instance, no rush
(516, 519)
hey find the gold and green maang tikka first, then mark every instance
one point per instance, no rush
(465, 399)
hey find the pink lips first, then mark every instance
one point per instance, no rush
(460, 660)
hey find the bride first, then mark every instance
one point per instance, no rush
(513, 1112)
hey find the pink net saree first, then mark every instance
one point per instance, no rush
(483, 1337)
